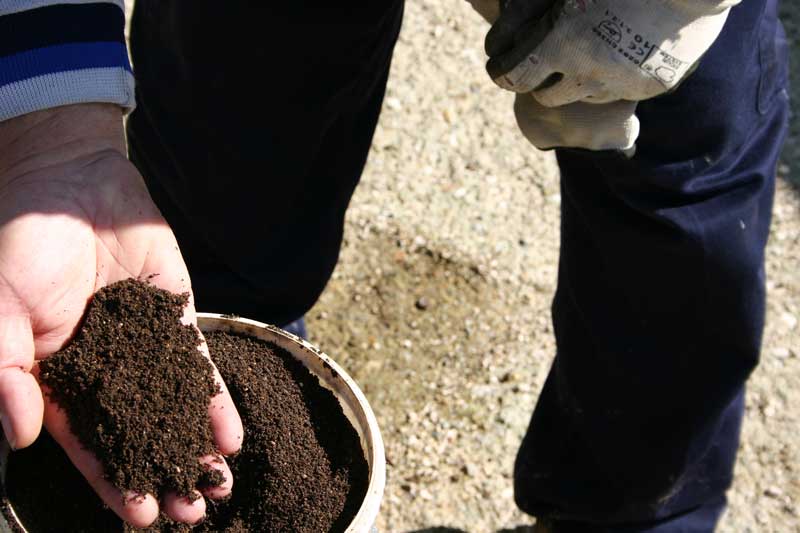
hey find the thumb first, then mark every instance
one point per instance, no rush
(520, 68)
(21, 403)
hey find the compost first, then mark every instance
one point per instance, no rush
(301, 467)
(136, 389)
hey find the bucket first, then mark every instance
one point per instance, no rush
(331, 376)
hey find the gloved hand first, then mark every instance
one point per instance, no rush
(611, 126)
(600, 51)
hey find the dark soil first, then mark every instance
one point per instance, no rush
(136, 389)
(301, 463)
(301, 457)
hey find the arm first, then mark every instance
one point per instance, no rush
(74, 215)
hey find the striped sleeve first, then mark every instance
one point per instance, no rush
(60, 53)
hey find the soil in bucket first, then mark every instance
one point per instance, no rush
(301, 467)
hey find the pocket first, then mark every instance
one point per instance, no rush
(773, 56)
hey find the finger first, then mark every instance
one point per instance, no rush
(184, 509)
(224, 489)
(564, 92)
(514, 16)
(226, 424)
(528, 75)
(138, 510)
(21, 404)
(524, 67)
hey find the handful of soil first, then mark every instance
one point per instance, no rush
(136, 389)
(301, 468)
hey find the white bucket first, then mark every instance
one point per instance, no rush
(331, 376)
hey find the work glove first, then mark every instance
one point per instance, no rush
(600, 51)
(611, 126)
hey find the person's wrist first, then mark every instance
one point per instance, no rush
(59, 135)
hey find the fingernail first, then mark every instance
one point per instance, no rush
(10, 437)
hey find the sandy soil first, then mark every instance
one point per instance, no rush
(440, 304)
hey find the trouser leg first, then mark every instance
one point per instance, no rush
(252, 128)
(659, 309)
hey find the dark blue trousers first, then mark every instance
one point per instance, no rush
(660, 301)
(659, 309)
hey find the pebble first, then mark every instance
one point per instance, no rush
(394, 104)
(789, 320)
(422, 303)
(781, 352)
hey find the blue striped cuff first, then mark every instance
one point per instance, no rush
(60, 58)
(63, 54)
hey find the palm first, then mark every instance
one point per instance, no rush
(65, 231)
(68, 243)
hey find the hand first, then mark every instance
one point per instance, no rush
(75, 215)
(600, 51)
(611, 126)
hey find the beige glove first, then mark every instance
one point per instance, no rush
(611, 126)
(600, 51)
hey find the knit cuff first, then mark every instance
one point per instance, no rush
(62, 54)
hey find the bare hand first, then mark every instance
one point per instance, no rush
(75, 215)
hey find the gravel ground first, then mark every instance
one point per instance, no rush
(440, 304)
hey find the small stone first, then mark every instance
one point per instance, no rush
(789, 319)
(422, 303)
(781, 352)
(773, 492)
(394, 104)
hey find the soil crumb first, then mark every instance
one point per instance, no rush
(136, 389)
